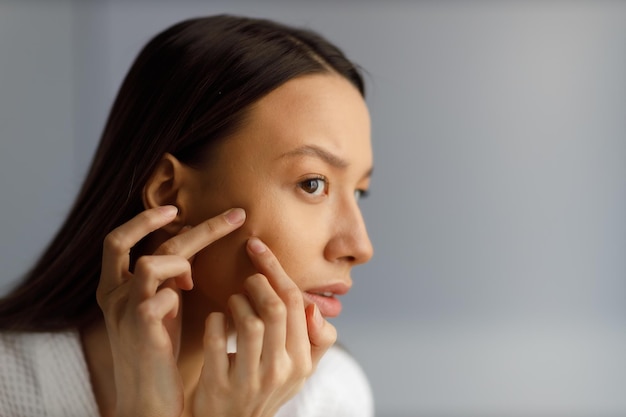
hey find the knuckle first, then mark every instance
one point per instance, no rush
(145, 266)
(255, 281)
(277, 376)
(293, 297)
(115, 242)
(100, 296)
(147, 313)
(211, 227)
(328, 337)
(105, 297)
(274, 309)
(302, 367)
(170, 247)
(252, 326)
(213, 342)
(332, 337)
(271, 261)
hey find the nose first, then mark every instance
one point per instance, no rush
(349, 241)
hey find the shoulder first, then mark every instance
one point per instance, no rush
(338, 387)
(43, 373)
(20, 390)
(37, 351)
(15, 342)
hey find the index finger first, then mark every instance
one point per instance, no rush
(267, 264)
(197, 238)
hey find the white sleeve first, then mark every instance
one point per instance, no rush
(338, 388)
(20, 394)
(44, 374)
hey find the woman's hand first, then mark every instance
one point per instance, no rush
(141, 309)
(279, 343)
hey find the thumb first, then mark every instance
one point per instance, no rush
(322, 334)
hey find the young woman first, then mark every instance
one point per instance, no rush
(215, 231)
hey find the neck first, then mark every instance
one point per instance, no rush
(190, 358)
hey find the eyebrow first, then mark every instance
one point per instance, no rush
(316, 151)
(323, 154)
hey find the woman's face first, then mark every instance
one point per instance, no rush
(297, 167)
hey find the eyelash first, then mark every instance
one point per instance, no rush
(306, 182)
(361, 194)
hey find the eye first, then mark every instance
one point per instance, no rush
(315, 186)
(359, 194)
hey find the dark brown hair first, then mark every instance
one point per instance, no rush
(189, 87)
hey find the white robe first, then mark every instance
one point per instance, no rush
(45, 375)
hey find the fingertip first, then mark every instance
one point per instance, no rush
(317, 316)
(314, 319)
(168, 211)
(310, 312)
(256, 246)
(322, 334)
(235, 216)
(215, 318)
(185, 283)
(215, 330)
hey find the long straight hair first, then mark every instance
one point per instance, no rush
(190, 87)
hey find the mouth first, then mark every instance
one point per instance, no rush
(326, 299)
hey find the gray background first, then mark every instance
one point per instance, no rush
(498, 202)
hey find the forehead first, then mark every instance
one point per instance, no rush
(322, 109)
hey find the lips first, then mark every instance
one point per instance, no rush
(326, 298)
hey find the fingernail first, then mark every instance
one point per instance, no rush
(256, 246)
(235, 216)
(168, 211)
(317, 315)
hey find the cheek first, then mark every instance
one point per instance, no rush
(295, 239)
(294, 233)
(220, 269)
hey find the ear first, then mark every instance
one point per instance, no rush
(164, 188)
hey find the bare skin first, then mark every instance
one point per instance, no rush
(295, 168)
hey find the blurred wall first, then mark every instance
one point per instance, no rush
(37, 151)
(498, 201)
